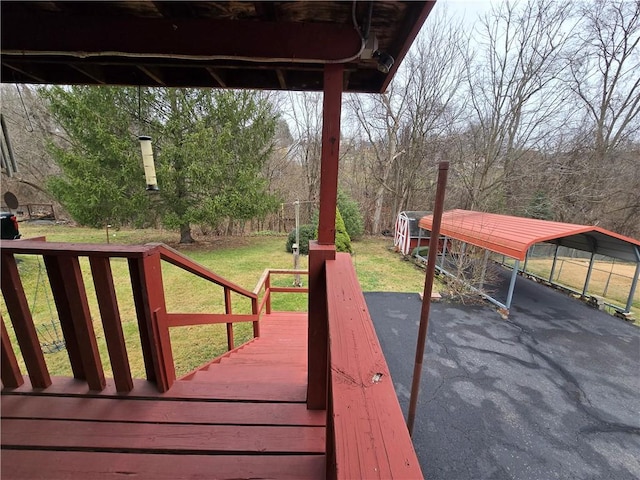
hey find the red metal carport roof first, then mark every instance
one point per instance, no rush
(512, 236)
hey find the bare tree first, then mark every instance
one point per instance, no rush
(30, 126)
(305, 113)
(418, 106)
(602, 183)
(515, 93)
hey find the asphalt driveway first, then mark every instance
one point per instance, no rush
(552, 392)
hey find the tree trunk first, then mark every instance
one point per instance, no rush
(377, 214)
(185, 233)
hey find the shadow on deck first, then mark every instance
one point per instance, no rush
(243, 416)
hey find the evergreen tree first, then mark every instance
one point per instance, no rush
(210, 147)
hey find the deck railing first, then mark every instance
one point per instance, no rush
(265, 287)
(62, 262)
(366, 432)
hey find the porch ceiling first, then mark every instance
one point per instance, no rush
(261, 45)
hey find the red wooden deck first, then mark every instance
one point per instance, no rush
(242, 417)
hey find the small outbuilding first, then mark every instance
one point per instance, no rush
(407, 231)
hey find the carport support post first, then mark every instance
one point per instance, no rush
(512, 284)
(443, 169)
(553, 265)
(526, 260)
(484, 268)
(632, 292)
(419, 238)
(444, 247)
(586, 282)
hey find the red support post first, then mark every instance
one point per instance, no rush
(318, 333)
(148, 295)
(443, 169)
(332, 103)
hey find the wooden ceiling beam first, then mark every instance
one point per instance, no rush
(216, 76)
(90, 71)
(152, 74)
(88, 36)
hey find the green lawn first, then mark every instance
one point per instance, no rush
(238, 259)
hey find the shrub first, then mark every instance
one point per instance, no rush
(351, 215)
(307, 232)
(343, 241)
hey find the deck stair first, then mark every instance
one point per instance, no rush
(272, 367)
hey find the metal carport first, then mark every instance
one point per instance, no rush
(513, 236)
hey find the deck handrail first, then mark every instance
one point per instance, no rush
(375, 442)
(265, 283)
(69, 293)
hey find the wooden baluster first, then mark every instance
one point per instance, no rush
(228, 311)
(111, 322)
(148, 295)
(10, 371)
(256, 324)
(267, 292)
(22, 321)
(143, 314)
(76, 296)
(57, 280)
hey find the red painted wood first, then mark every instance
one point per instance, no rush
(168, 438)
(111, 323)
(22, 322)
(143, 314)
(57, 280)
(254, 310)
(181, 390)
(187, 319)
(176, 258)
(82, 323)
(10, 371)
(376, 443)
(148, 288)
(44, 465)
(185, 36)
(228, 310)
(153, 411)
(332, 103)
(317, 330)
(35, 247)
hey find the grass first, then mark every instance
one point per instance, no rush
(609, 281)
(238, 259)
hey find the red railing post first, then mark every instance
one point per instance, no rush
(256, 324)
(228, 311)
(148, 295)
(318, 332)
(267, 292)
(22, 322)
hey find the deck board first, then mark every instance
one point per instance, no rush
(244, 417)
(28, 465)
